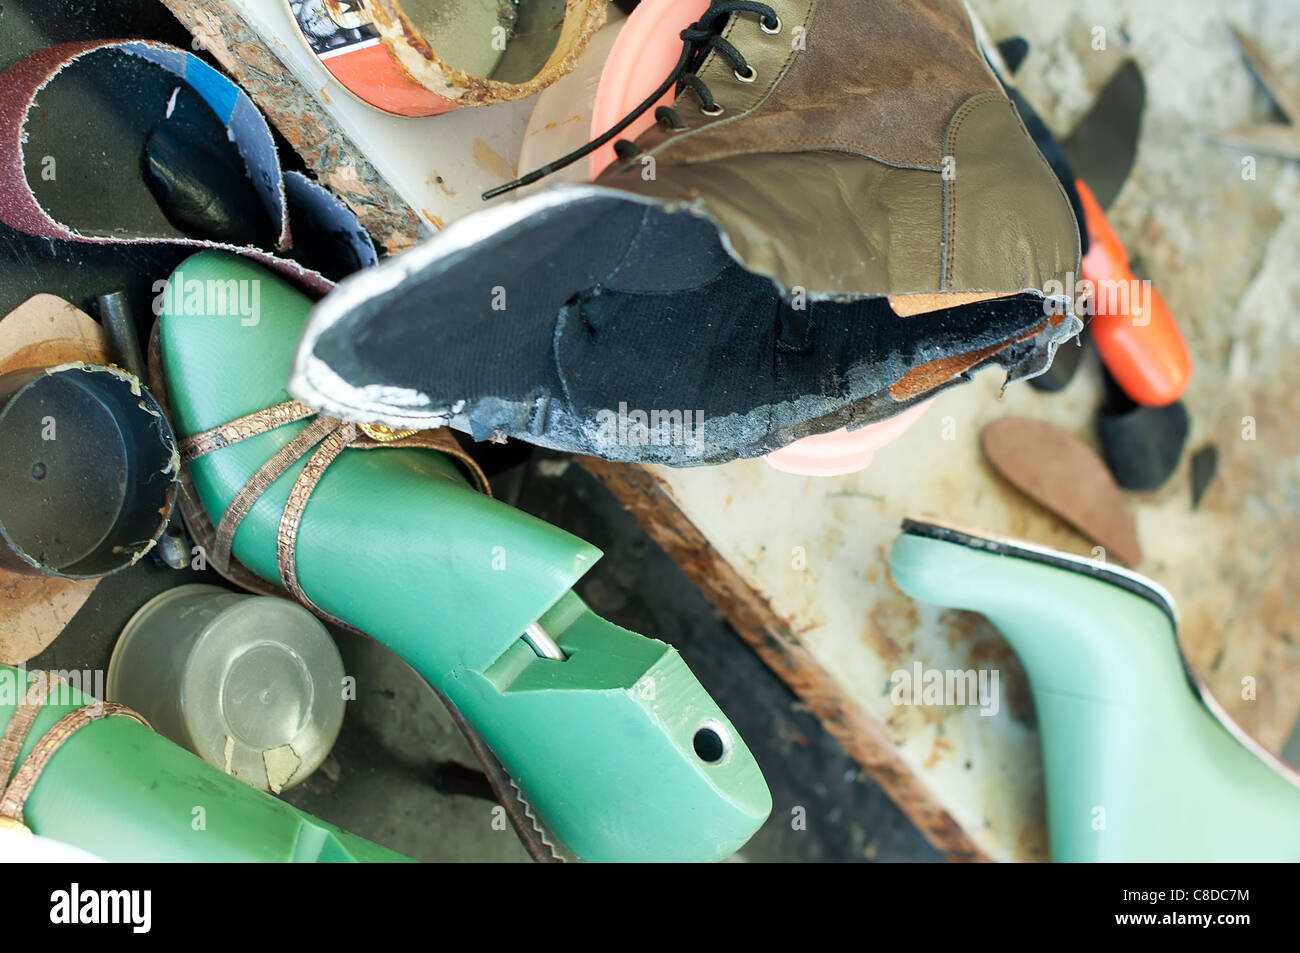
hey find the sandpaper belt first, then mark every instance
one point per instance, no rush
(22, 84)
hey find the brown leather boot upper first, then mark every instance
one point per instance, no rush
(871, 151)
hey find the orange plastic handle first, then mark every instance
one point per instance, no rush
(1136, 335)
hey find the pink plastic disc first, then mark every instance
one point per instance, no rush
(843, 451)
(644, 54)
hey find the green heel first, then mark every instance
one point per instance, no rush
(617, 748)
(1138, 766)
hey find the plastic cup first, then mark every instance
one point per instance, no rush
(251, 684)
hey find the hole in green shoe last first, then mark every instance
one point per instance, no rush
(711, 742)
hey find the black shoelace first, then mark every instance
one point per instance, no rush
(698, 40)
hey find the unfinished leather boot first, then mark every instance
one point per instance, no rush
(840, 214)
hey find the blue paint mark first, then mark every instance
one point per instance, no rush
(217, 91)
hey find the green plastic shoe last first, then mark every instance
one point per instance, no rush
(125, 793)
(617, 748)
(1139, 765)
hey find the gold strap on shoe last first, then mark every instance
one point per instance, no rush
(324, 438)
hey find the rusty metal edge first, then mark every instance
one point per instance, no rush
(645, 496)
(302, 120)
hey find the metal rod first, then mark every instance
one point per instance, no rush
(541, 643)
(122, 337)
(173, 546)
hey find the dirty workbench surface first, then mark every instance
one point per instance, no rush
(799, 565)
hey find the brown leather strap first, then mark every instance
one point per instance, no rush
(369, 437)
(260, 481)
(440, 440)
(286, 537)
(250, 425)
(333, 436)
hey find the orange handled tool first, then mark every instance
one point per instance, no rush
(1136, 335)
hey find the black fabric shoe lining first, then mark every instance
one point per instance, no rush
(604, 303)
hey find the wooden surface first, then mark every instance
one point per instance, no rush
(799, 565)
(43, 331)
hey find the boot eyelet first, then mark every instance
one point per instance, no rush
(762, 25)
(715, 111)
(746, 77)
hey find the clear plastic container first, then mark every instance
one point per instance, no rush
(251, 684)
